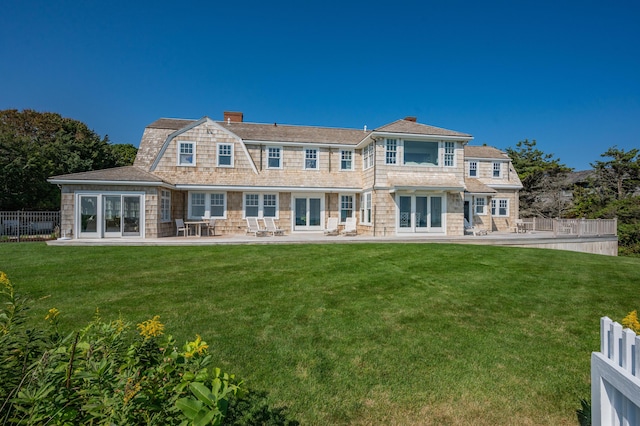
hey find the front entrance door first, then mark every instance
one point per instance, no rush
(308, 213)
(420, 213)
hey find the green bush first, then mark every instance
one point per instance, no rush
(110, 373)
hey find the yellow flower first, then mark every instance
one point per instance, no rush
(4, 281)
(151, 328)
(52, 315)
(198, 346)
(631, 321)
(119, 325)
(130, 390)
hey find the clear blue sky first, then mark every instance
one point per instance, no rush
(566, 73)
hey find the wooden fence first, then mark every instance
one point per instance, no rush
(20, 226)
(574, 227)
(615, 377)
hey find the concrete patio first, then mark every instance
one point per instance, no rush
(606, 245)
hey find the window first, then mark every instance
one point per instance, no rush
(499, 207)
(346, 207)
(367, 156)
(481, 203)
(497, 169)
(449, 152)
(207, 204)
(217, 207)
(225, 155)
(473, 169)
(269, 205)
(197, 204)
(274, 157)
(391, 151)
(365, 208)
(420, 153)
(260, 205)
(311, 158)
(186, 154)
(346, 160)
(165, 206)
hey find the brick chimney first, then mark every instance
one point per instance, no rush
(410, 118)
(232, 117)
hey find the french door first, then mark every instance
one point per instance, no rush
(109, 215)
(308, 212)
(420, 213)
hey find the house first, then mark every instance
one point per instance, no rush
(403, 178)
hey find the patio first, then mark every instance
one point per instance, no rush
(606, 245)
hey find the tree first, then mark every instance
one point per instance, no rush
(542, 179)
(620, 175)
(36, 145)
(124, 154)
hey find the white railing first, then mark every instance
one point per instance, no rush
(28, 226)
(576, 227)
(615, 377)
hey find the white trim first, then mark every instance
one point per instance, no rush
(109, 182)
(179, 153)
(297, 189)
(260, 204)
(299, 144)
(207, 204)
(280, 157)
(232, 159)
(353, 159)
(100, 231)
(422, 137)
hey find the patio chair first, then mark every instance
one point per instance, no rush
(350, 227)
(270, 226)
(332, 226)
(472, 229)
(211, 227)
(181, 227)
(254, 228)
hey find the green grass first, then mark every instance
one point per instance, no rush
(362, 333)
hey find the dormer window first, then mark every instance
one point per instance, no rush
(186, 153)
(225, 155)
(473, 169)
(497, 170)
(275, 157)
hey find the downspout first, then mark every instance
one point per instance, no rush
(261, 148)
(330, 160)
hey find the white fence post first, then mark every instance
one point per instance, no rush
(615, 382)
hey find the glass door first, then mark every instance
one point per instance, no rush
(88, 213)
(131, 215)
(112, 216)
(404, 215)
(420, 213)
(308, 213)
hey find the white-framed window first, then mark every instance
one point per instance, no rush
(473, 169)
(274, 157)
(346, 207)
(497, 169)
(449, 154)
(260, 205)
(481, 206)
(311, 159)
(207, 204)
(346, 160)
(365, 208)
(499, 207)
(165, 205)
(186, 153)
(367, 156)
(225, 155)
(217, 205)
(391, 151)
(421, 153)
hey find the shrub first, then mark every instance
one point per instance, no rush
(110, 373)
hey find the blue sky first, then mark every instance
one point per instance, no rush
(565, 73)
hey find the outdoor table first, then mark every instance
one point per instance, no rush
(197, 224)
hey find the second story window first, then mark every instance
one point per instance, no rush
(367, 156)
(497, 170)
(274, 157)
(391, 151)
(473, 169)
(449, 154)
(311, 159)
(225, 155)
(186, 154)
(346, 160)
(418, 153)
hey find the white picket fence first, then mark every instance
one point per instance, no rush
(615, 377)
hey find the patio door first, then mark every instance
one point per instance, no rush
(88, 216)
(121, 215)
(420, 213)
(308, 212)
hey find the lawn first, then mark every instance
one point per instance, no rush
(361, 334)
